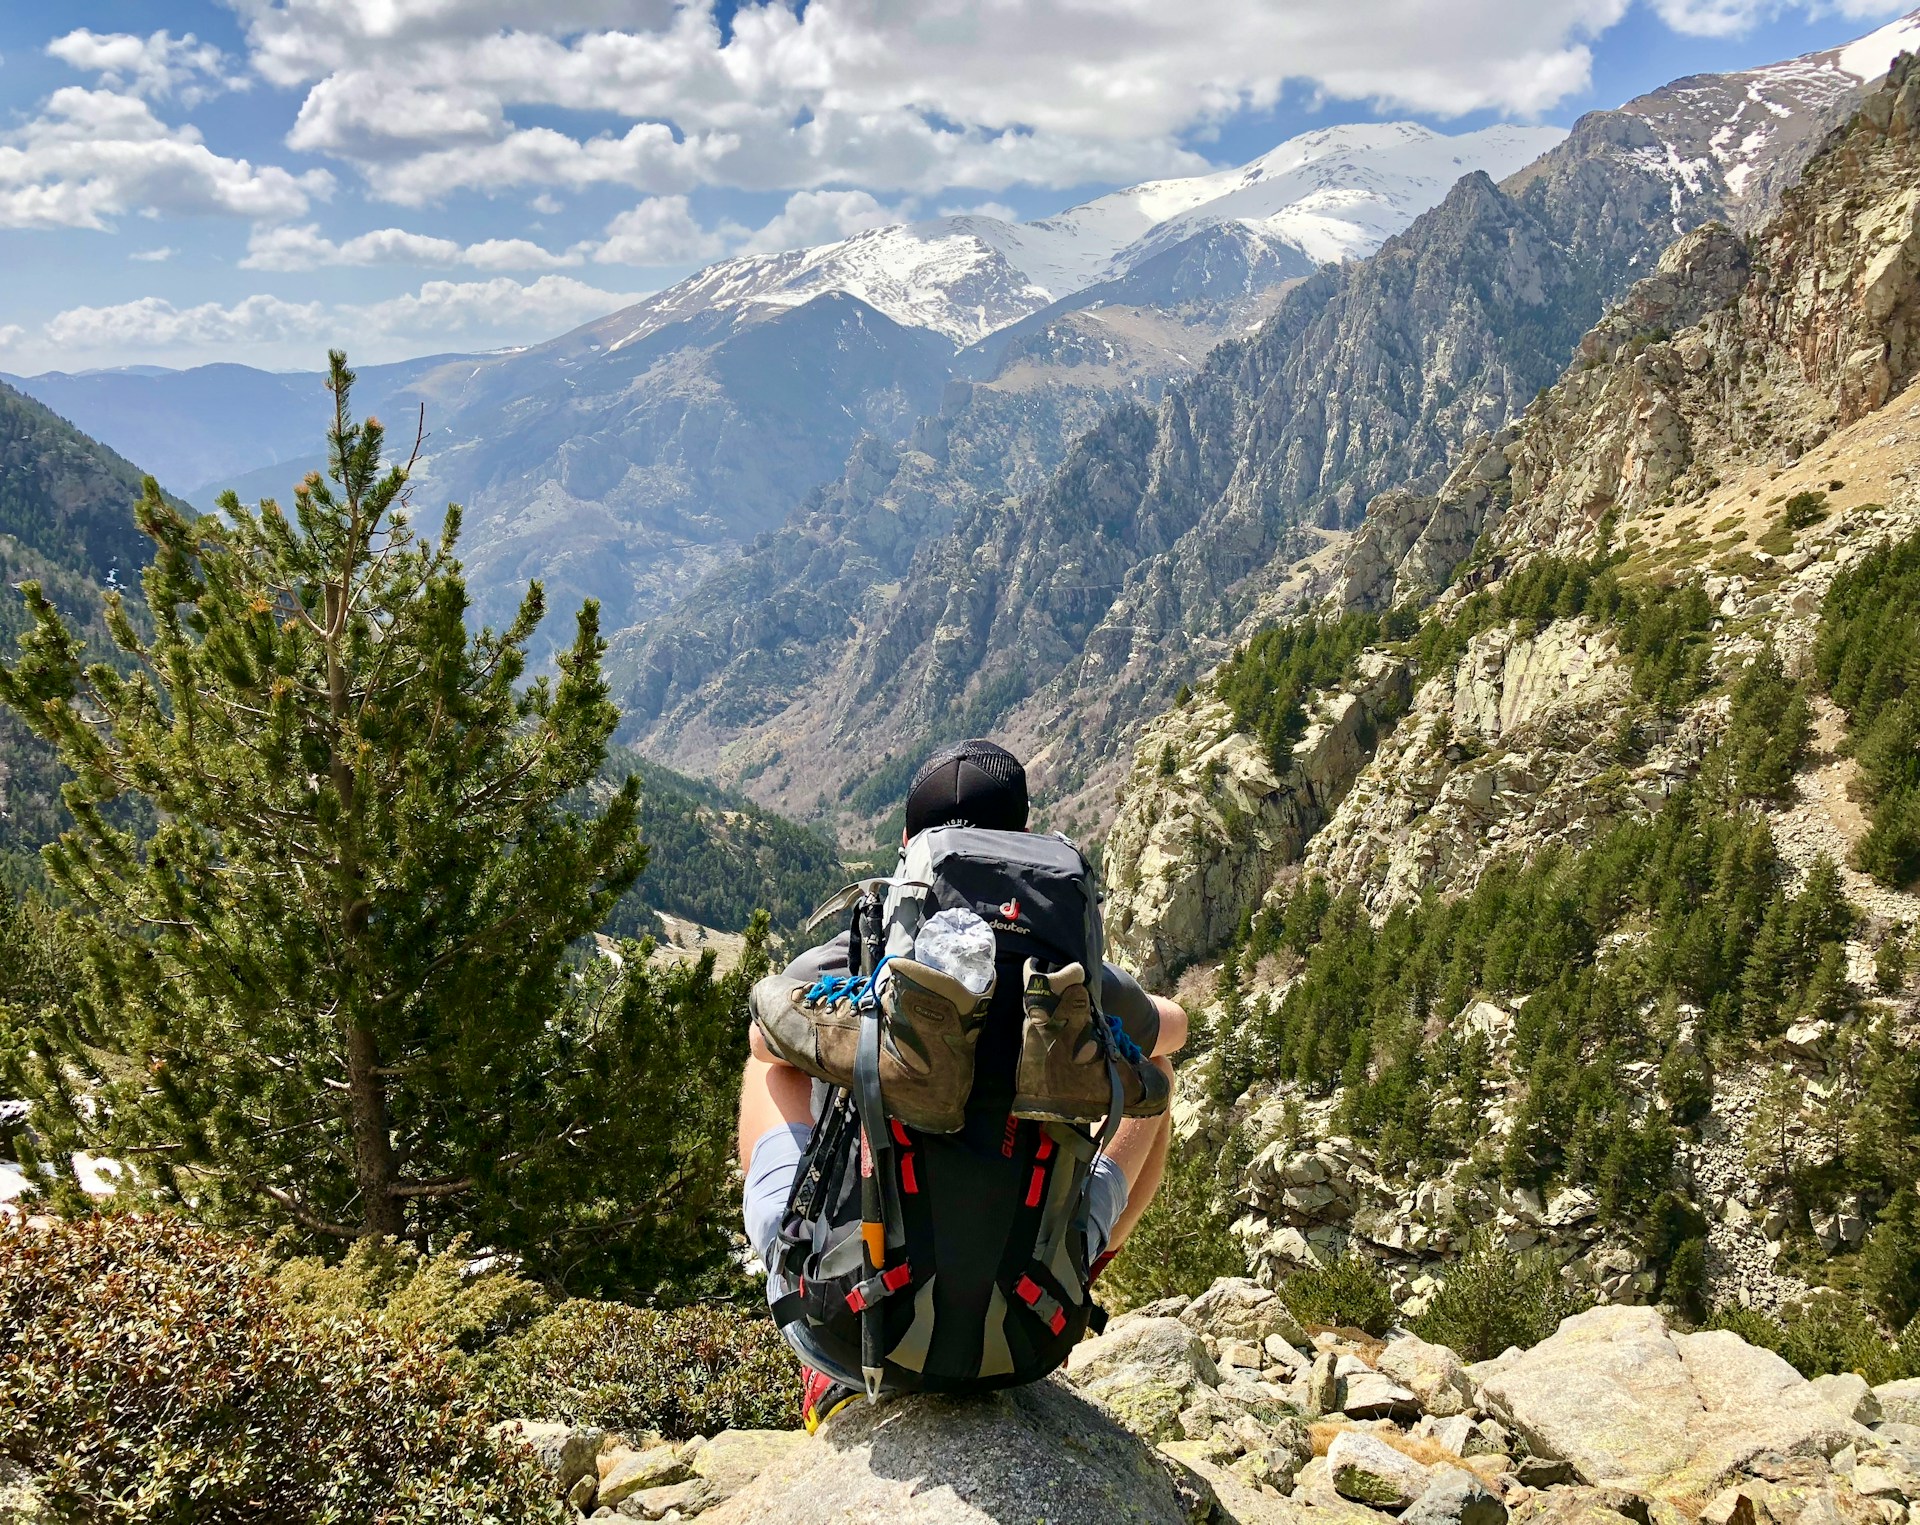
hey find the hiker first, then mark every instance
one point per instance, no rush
(955, 1111)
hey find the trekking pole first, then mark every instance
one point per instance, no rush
(873, 1239)
(873, 1221)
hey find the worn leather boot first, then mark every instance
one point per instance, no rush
(930, 1026)
(1065, 1048)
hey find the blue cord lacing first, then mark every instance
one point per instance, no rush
(857, 988)
(1129, 1050)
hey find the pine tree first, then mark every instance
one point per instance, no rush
(335, 987)
(1890, 1262)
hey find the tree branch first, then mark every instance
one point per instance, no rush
(307, 1219)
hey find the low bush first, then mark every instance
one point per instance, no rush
(1183, 1242)
(1494, 1298)
(150, 1374)
(1350, 1293)
(442, 1300)
(682, 1371)
(1828, 1333)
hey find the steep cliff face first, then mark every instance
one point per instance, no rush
(1814, 328)
(1208, 819)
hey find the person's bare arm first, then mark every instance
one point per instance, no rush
(772, 1092)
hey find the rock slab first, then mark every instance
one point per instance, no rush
(1622, 1399)
(1032, 1453)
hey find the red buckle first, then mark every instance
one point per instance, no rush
(1027, 1290)
(897, 1278)
(1035, 1185)
(856, 1301)
(1045, 1151)
(908, 1182)
(1059, 1321)
(899, 1133)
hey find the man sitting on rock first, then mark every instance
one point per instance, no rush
(1025, 1105)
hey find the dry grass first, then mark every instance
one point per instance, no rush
(1423, 1449)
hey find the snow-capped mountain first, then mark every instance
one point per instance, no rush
(1333, 194)
(1752, 130)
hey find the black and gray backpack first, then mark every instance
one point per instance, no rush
(984, 1280)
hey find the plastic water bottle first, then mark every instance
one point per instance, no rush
(960, 944)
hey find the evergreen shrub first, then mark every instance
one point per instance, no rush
(150, 1374)
(681, 1372)
(1867, 657)
(1494, 1298)
(1825, 1334)
(1349, 1293)
(1182, 1243)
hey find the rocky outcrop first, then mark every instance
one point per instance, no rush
(1517, 744)
(1206, 820)
(1729, 356)
(1036, 1452)
(1224, 1410)
(1623, 1399)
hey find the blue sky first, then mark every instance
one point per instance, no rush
(189, 180)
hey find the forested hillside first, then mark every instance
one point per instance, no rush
(1553, 886)
(66, 522)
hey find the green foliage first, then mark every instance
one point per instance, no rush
(1662, 629)
(1890, 1261)
(716, 859)
(435, 1300)
(1349, 1293)
(1768, 729)
(1266, 682)
(150, 1375)
(886, 786)
(1803, 510)
(1182, 1242)
(1890, 966)
(337, 988)
(684, 1371)
(1827, 1333)
(1867, 657)
(1493, 1298)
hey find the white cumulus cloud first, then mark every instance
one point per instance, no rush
(1730, 18)
(426, 97)
(154, 325)
(662, 230)
(821, 217)
(285, 246)
(92, 155)
(153, 66)
(440, 315)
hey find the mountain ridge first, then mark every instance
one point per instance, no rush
(1366, 377)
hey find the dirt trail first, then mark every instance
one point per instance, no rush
(1825, 821)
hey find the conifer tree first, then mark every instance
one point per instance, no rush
(334, 988)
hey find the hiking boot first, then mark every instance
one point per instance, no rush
(930, 1024)
(926, 1053)
(821, 1397)
(1064, 1050)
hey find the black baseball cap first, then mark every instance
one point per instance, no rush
(971, 783)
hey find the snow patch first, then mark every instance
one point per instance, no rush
(1870, 56)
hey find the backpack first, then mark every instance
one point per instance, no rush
(984, 1280)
